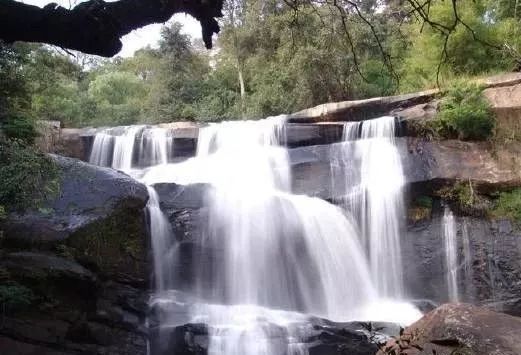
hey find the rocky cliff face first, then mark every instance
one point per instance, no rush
(488, 270)
(74, 272)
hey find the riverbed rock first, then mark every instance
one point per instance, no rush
(462, 329)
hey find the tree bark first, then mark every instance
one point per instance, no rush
(96, 26)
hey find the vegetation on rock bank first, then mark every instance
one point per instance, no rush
(508, 205)
(27, 177)
(465, 114)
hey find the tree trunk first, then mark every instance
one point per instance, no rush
(243, 90)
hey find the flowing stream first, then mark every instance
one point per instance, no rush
(285, 257)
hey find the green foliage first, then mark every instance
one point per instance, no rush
(270, 60)
(424, 201)
(118, 97)
(19, 128)
(461, 195)
(509, 205)
(27, 177)
(420, 208)
(464, 199)
(465, 113)
(490, 42)
(14, 297)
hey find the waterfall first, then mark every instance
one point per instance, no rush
(131, 147)
(285, 257)
(162, 242)
(373, 193)
(451, 254)
(102, 147)
(283, 253)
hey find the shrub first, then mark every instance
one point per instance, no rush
(465, 113)
(21, 128)
(424, 201)
(508, 205)
(27, 177)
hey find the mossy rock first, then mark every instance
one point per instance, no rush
(114, 247)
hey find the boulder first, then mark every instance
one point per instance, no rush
(37, 266)
(83, 256)
(96, 216)
(459, 329)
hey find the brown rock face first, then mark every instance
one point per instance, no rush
(486, 166)
(459, 329)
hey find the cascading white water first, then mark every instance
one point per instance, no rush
(155, 145)
(117, 148)
(374, 184)
(162, 242)
(451, 253)
(284, 256)
(281, 251)
(124, 148)
(101, 153)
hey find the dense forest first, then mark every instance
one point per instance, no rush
(271, 57)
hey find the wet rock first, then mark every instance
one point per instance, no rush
(86, 194)
(48, 268)
(96, 216)
(319, 337)
(83, 256)
(460, 328)
(301, 134)
(489, 269)
(189, 339)
(13, 347)
(322, 170)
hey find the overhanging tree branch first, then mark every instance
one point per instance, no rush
(96, 26)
